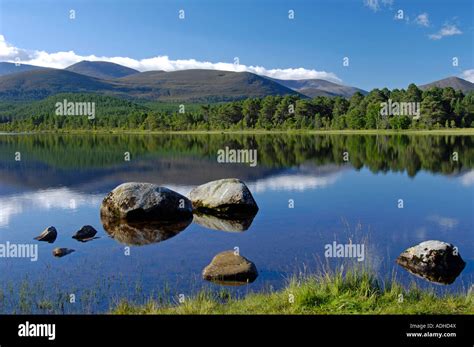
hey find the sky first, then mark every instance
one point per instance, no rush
(384, 47)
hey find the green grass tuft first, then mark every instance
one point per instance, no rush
(353, 292)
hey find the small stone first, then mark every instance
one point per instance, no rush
(86, 233)
(49, 235)
(230, 268)
(436, 261)
(61, 252)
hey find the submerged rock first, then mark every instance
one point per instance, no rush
(86, 233)
(145, 201)
(142, 233)
(49, 235)
(226, 197)
(61, 252)
(230, 269)
(436, 261)
(223, 224)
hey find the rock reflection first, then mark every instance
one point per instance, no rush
(142, 233)
(229, 224)
(434, 276)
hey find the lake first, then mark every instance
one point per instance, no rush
(312, 190)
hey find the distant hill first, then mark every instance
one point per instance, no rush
(10, 68)
(28, 82)
(185, 85)
(453, 82)
(101, 69)
(38, 84)
(318, 87)
(196, 85)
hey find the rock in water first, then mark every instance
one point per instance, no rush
(61, 252)
(145, 201)
(49, 235)
(436, 261)
(230, 269)
(227, 197)
(86, 233)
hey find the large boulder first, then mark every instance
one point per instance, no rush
(230, 268)
(134, 201)
(436, 261)
(226, 197)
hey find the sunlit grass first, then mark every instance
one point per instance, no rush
(353, 292)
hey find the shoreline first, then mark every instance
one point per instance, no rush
(353, 292)
(460, 132)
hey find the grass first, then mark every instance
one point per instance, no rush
(355, 292)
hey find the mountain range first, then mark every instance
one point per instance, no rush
(453, 82)
(318, 87)
(28, 82)
(101, 69)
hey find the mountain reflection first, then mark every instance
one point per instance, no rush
(71, 199)
(91, 162)
(71, 171)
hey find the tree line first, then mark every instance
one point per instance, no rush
(379, 153)
(439, 108)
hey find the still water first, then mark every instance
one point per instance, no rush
(308, 196)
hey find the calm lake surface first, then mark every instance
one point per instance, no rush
(62, 179)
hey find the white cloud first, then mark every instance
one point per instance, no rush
(43, 200)
(444, 222)
(61, 60)
(467, 179)
(423, 20)
(300, 179)
(468, 75)
(446, 30)
(375, 5)
(293, 182)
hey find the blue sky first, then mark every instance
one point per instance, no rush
(382, 50)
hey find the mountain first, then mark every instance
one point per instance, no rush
(453, 82)
(38, 84)
(10, 68)
(318, 87)
(210, 85)
(185, 85)
(101, 69)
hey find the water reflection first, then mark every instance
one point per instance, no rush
(434, 275)
(236, 224)
(62, 180)
(44, 199)
(189, 160)
(142, 233)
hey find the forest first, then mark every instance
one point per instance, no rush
(438, 108)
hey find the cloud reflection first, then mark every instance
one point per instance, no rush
(45, 199)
